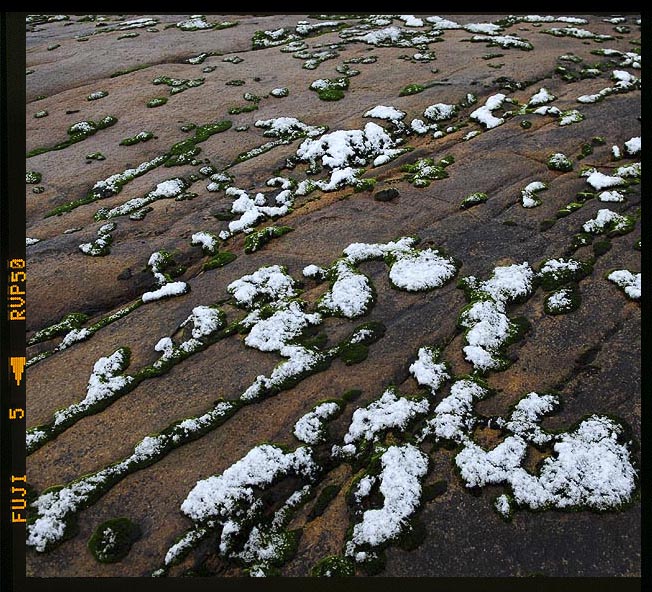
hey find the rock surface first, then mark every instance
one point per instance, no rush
(590, 356)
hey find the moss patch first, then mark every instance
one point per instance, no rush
(112, 540)
(259, 238)
(156, 102)
(33, 177)
(220, 260)
(333, 566)
(411, 89)
(353, 353)
(473, 200)
(76, 133)
(328, 494)
(140, 137)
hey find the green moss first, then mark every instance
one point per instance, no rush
(129, 70)
(601, 247)
(96, 156)
(598, 141)
(141, 213)
(581, 239)
(41, 114)
(328, 494)
(94, 96)
(235, 82)
(525, 124)
(332, 89)
(553, 279)
(353, 353)
(220, 260)
(156, 102)
(73, 320)
(425, 170)
(140, 137)
(333, 566)
(413, 536)
(259, 238)
(571, 301)
(351, 395)
(76, 133)
(364, 185)
(243, 109)
(434, 490)
(637, 245)
(251, 97)
(585, 150)
(568, 209)
(411, 89)
(38, 189)
(584, 196)
(374, 564)
(473, 200)
(112, 540)
(559, 162)
(331, 94)
(33, 177)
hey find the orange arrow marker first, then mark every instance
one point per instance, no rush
(17, 365)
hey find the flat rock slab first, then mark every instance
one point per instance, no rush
(590, 357)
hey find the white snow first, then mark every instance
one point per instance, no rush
(271, 282)
(589, 469)
(314, 271)
(560, 300)
(310, 427)
(389, 411)
(528, 197)
(611, 196)
(421, 270)
(484, 114)
(105, 381)
(507, 283)
(541, 97)
(570, 116)
(350, 295)
(556, 268)
(364, 486)
(440, 111)
(288, 127)
(526, 416)
(382, 112)
(205, 321)
(230, 494)
(344, 148)
(410, 20)
(166, 291)
(488, 329)
(603, 218)
(548, 110)
(633, 146)
(502, 505)
(427, 371)
(628, 281)
(403, 467)
(275, 332)
(485, 28)
(442, 23)
(359, 252)
(453, 417)
(206, 240)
